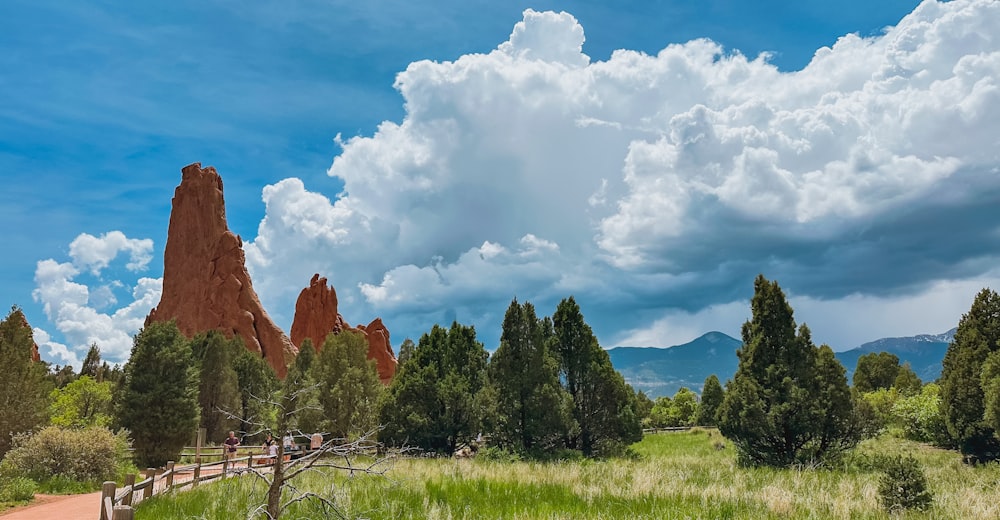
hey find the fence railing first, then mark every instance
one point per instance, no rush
(116, 503)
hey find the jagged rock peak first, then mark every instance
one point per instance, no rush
(206, 284)
(317, 315)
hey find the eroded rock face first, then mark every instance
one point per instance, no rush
(205, 281)
(380, 349)
(316, 316)
(19, 314)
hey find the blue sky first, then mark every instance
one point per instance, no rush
(436, 160)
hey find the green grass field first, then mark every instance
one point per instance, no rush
(676, 475)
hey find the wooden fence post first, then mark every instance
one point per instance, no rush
(148, 491)
(123, 513)
(107, 491)
(197, 456)
(130, 484)
(170, 475)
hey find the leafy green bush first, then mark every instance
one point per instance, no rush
(17, 489)
(85, 455)
(904, 486)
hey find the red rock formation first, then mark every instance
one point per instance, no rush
(380, 349)
(24, 321)
(316, 316)
(205, 281)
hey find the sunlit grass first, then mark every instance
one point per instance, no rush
(676, 475)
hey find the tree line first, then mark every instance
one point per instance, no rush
(549, 386)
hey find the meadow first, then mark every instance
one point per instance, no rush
(690, 475)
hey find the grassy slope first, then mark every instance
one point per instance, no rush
(678, 475)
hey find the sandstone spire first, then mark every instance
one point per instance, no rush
(205, 281)
(316, 316)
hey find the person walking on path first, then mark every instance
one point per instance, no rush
(229, 452)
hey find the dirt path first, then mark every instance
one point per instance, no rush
(57, 507)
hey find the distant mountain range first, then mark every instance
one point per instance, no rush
(662, 371)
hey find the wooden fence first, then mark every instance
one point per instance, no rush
(116, 503)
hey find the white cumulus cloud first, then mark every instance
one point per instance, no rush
(658, 184)
(73, 308)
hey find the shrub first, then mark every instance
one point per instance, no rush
(87, 455)
(17, 489)
(904, 486)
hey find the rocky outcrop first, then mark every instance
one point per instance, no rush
(18, 315)
(205, 281)
(380, 349)
(316, 316)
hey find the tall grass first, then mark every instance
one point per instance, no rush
(676, 475)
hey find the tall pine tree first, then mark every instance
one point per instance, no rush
(348, 386)
(962, 396)
(218, 387)
(431, 402)
(25, 387)
(712, 395)
(785, 404)
(533, 411)
(158, 401)
(604, 407)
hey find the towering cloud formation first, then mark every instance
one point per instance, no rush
(658, 182)
(205, 282)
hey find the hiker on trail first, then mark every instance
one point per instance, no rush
(288, 442)
(316, 441)
(231, 443)
(268, 442)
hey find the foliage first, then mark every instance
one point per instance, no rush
(963, 401)
(788, 402)
(904, 486)
(85, 455)
(17, 489)
(990, 383)
(907, 381)
(218, 382)
(643, 406)
(534, 413)
(159, 395)
(681, 410)
(310, 416)
(25, 387)
(604, 406)
(82, 403)
(431, 400)
(712, 395)
(348, 385)
(257, 382)
(919, 416)
(676, 475)
(876, 370)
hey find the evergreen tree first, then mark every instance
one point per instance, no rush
(533, 410)
(25, 386)
(431, 400)
(405, 351)
(712, 395)
(92, 363)
(990, 383)
(907, 381)
(348, 385)
(643, 406)
(604, 406)
(218, 387)
(309, 418)
(875, 371)
(962, 396)
(775, 408)
(257, 382)
(158, 401)
(840, 428)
